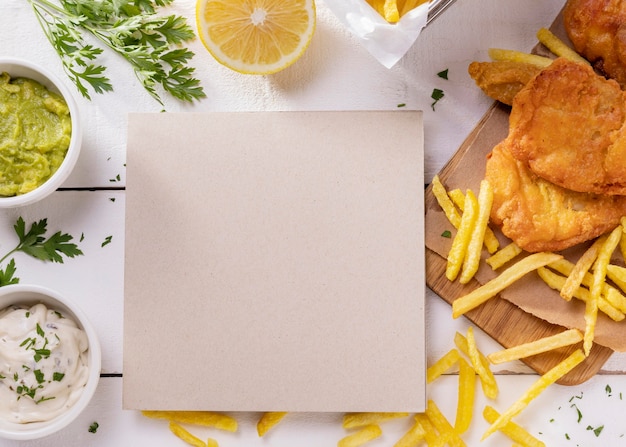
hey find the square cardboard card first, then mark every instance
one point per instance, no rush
(275, 262)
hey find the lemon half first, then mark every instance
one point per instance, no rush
(256, 36)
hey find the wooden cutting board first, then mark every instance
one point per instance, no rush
(506, 323)
(503, 321)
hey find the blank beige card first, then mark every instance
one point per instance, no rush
(275, 261)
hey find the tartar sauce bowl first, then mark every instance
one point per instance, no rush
(23, 295)
(20, 68)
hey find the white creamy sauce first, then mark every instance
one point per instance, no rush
(43, 363)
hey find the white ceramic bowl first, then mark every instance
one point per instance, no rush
(28, 295)
(23, 68)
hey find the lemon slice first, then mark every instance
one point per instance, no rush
(256, 36)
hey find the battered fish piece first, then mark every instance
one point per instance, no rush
(597, 29)
(567, 125)
(540, 216)
(502, 80)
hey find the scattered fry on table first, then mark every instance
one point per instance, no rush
(432, 436)
(211, 443)
(535, 390)
(185, 435)
(268, 420)
(558, 47)
(477, 237)
(204, 418)
(442, 424)
(355, 420)
(545, 344)
(458, 250)
(465, 398)
(447, 361)
(499, 54)
(481, 366)
(506, 278)
(514, 431)
(364, 435)
(412, 436)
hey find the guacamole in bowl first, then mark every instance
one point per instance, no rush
(39, 133)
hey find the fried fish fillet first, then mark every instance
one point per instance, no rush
(502, 80)
(597, 29)
(568, 125)
(540, 216)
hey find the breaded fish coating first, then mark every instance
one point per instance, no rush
(597, 29)
(540, 216)
(502, 80)
(567, 125)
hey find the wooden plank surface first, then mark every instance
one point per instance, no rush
(503, 321)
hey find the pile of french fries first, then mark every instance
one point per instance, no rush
(394, 10)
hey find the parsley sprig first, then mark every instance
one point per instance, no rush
(151, 43)
(34, 243)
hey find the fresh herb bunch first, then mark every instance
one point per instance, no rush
(35, 244)
(152, 44)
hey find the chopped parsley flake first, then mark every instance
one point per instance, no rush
(446, 234)
(93, 427)
(437, 94)
(443, 74)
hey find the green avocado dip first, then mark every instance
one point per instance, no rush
(35, 131)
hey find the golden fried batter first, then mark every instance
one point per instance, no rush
(567, 125)
(502, 80)
(540, 216)
(597, 29)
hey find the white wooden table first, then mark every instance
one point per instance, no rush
(336, 73)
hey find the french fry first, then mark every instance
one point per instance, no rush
(410, 5)
(442, 425)
(446, 362)
(465, 399)
(504, 255)
(364, 435)
(185, 435)
(413, 435)
(515, 432)
(617, 274)
(204, 418)
(268, 420)
(491, 241)
(432, 436)
(501, 282)
(558, 47)
(622, 242)
(475, 245)
(461, 240)
(599, 276)
(535, 390)
(610, 294)
(445, 202)
(212, 443)
(481, 366)
(545, 344)
(355, 420)
(556, 281)
(582, 266)
(499, 54)
(391, 13)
